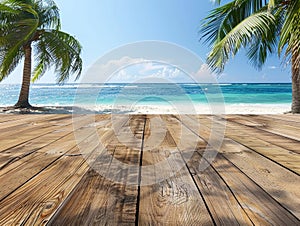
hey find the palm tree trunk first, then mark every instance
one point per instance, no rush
(24, 93)
(295, 85)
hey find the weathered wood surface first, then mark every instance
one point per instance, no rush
(148, 170)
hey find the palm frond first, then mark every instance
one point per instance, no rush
(7, 10)
(256, 25)
(58, 49)
(223, 19)
(43, 58)
(7, 63)
(9, 13)
(48, 15)
(18, 23)
(14, 42)
(261, 47)
(290, 33)
(271, 4)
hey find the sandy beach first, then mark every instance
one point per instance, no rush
(160, 109)
(195, 109)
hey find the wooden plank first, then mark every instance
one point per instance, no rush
(38, 199)
(17, 173)
(263, 171)
(174, 200)
(61, 133)
(283, 157)
(280, 183)
(20, 126)
(293, 117)
(5, 118)
(20, 151)
(98, 200)
(285, 119)
(272, 126)
(275, 139)
(31, 132)
(258, 204)
(247, 137)
(222, 204)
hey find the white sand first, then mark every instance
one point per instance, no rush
(195, 109)
(162, 109)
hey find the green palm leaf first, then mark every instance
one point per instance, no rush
(256, 25)
(223, 19)
(58, 49)
(14, 35)
(290, 33)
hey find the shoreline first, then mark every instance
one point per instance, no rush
(156, 109)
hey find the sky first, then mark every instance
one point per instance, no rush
(104, 25)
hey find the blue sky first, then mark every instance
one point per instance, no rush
(103, 25)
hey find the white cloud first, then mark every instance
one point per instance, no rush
(137, 70)
(175, 73)
(167, 72)
(205, 75)
(150, 72)
(123, 76)
(102, 70)
(150, 67)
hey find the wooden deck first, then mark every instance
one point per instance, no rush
(253, 179)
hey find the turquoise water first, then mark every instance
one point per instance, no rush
(147, 94)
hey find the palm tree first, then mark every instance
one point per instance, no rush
(261, 27)
(33, 26)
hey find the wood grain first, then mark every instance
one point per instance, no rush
(107, 200)
(224, 207)
(277, 181)
(173, 198)
(86, 170)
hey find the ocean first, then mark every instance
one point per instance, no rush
(146, 94)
